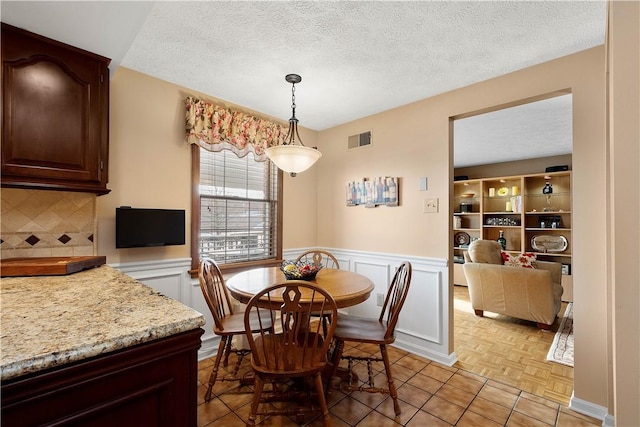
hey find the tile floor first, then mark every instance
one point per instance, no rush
(430, 395)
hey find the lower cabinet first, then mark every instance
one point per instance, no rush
(151, 384)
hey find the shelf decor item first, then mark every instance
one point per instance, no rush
(554, 221)
(462, 239)
(548, 191)
(300, 270)
(548, 243)
(502, 241)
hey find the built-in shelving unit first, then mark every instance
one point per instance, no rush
(532, 219)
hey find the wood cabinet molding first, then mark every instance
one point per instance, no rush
(55, 117)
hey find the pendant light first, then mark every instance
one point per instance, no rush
(292, 156)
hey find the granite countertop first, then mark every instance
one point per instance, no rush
(49, 321)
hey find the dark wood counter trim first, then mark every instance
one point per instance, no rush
(151, 384)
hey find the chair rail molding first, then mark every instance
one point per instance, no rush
(423, 328)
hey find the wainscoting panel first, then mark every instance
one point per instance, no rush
(172, 278)
(378, 273)
(423, 306)
(423, 327)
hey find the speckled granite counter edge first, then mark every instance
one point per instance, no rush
(55, 320)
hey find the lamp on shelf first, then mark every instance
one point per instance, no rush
(292, 156)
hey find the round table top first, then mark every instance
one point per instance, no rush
(346, 288)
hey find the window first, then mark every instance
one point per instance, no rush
(238, 209)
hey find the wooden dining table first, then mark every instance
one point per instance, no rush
(347, 288)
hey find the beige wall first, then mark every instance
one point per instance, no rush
(413, 141)
(624, 153)
(149, 160)
(150, 166)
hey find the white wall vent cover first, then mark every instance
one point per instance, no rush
(360, 140)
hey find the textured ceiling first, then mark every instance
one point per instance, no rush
(356, 58)
(543, 128)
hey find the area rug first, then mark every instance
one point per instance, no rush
(561, 350)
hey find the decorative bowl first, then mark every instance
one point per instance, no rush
(300, 270)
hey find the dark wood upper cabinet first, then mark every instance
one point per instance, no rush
(55, 114)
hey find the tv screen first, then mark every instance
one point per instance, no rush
(138, 228)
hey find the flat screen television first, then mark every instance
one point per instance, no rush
(139, 228)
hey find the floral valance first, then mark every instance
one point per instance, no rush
(217, 128)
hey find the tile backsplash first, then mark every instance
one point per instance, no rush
(41, 223)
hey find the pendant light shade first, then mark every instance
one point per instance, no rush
(292, 156)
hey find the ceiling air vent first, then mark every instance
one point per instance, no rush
(360, 140)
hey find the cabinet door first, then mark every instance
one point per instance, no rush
(55, 114)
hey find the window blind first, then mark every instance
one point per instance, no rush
(238, 207)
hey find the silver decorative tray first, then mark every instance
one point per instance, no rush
(549, 243)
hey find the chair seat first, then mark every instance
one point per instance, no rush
(361, 329)
(233, 324)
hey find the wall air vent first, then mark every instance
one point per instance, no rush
(360, 140)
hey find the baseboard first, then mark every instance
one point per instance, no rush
(592, 410)
(447, 360)
(209, 347)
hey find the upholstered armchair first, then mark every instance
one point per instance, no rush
(532, 294)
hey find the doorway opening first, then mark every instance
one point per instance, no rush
(511, 142)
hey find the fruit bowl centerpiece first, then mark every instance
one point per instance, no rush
(300, 270)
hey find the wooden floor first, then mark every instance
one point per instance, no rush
(509, 350)
(429, 394)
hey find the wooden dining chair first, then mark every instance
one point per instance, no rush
(296, 350)
(226, 323)
(317, 256)
(374, 331)
(327, 260)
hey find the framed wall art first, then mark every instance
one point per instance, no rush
(373, 192)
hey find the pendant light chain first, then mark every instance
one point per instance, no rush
(293, 100)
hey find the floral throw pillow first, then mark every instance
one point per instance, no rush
(526, 259)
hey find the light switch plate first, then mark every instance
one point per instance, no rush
(430, 206)
(423, 183)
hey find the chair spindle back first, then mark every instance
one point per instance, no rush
(298, 344)
(396, 295)
(215, 291)
(320, 257)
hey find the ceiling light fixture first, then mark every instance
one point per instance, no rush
(290, 156)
